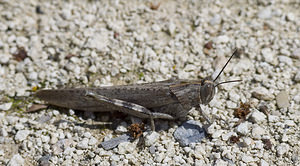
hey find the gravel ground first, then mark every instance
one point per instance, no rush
(55, 44)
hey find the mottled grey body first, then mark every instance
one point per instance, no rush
(163, 97)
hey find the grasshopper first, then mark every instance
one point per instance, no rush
(170, 99)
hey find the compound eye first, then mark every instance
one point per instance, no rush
(207, 93)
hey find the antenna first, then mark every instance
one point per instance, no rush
(227, 82)
(234, 53)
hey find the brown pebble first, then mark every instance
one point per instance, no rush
(208, 45)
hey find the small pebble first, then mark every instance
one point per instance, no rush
(262, 93)
(44, 119)
(284, 138)
(126, 147)
(45, 160)
(296, 53)
(5, 106)
(247, 158)
(215, 20)
(83, 144)
(246, 142)
(114, 142)
(92, 69)
(152, 149)
(4, 59)
(263, 163)
(222, 39)
(3, 132)
(258, 132)
(136, 42)
(1, 152)
(171, 28)
(22, 135)
(268, 55)
(155, 28)
(122, 128)
(273, 118)
(19, 126)
(290, 123)
(93, 141)
(282, 149)
(265, 13)
(282, 99)
(297, 76)
(16, 160)
(87, 134)
(286, 60)
(189, 132)
(258, 117)
(290, 17)
(243, 128)
(151, 138)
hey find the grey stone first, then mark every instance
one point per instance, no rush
(171, 28)
(268, 55)
(22, 135)
(189, 132)
(273, 118)
(83, 144)
(151, 138)
(11, 119)
(282, 149)
(93, 141)
(4, 59)
(152, 149)
(289, 123)
(258, 132)
(247, 159)
(87, 134)
(297, 76)
(114, 142)
(126, 147)
(122, 128)
(222, 39)
(296, 53)
(263, 163)
(16, 160)
(258, 117)
(290, 17)
(44, 119)
(285, 59)
(243, 128)
(282, 99)
(262, 94)
(265, 13)
(5, 106)
(45, 160)
(3, 132)
(215, 20)
(61, 145)
(155, 27)
(33, 76)
(19, 126)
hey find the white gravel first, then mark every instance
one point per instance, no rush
(92, 43)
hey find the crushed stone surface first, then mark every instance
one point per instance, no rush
(88, 43)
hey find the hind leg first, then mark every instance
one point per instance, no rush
(129, 108)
